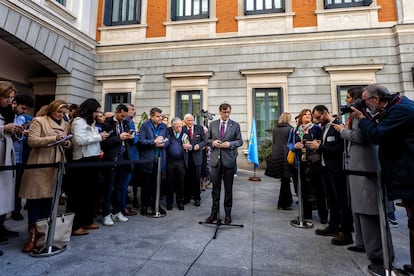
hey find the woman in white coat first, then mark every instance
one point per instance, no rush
(7, 180)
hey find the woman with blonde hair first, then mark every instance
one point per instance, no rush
(278, 166)
(38, 184)
(310, 167)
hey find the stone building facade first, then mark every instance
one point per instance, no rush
(264, 57)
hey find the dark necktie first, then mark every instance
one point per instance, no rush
(222, 129)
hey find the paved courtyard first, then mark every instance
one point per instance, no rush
(178, 245)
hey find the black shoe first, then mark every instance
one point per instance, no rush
(197, 203)
(180, 206)
(3, 240)
(357, 249)
(1, 253)
(408, 268)
(376, 269)
(169, 207)
(4, 232)
(327, 231)
(324, 221)
(211, 218)
(342, 239)
(17, 216)
(162, 211)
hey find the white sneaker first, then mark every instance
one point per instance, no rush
(107, 221)
(119, 217)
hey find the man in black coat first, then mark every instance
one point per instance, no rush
(393, 130)
(115, 148)
(198, 141)
(331, 148)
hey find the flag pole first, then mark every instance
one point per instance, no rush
(254, 177)
(253, 155)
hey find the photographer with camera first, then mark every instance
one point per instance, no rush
(392, 128)
(361, 164)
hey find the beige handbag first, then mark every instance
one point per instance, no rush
(63, 230)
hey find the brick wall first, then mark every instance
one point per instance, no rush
(388, 11)
(304, 13)
(156, 16)
(226, 12)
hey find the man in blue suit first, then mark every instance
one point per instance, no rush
(152, 143)
(224, 137)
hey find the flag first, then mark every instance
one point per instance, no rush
(253, 154)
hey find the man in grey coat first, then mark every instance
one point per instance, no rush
(224, 137)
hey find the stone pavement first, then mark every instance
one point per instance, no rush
(178, 245)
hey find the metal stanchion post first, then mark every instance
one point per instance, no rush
(49, 249)
(157, 196)
(300, 223)
(385, 229)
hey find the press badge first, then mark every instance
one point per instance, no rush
(330, 139)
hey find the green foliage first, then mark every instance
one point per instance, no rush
(265, 146)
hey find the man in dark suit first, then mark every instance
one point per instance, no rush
(331, 148)
(224, 137)
(198, 141)
(177, 163)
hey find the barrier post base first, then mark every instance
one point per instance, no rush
(48, 251)
(301, 224)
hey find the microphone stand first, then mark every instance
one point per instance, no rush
(219, 223)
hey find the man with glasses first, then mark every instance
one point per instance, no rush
(224, 137)
(392, 128)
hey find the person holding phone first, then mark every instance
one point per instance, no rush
(224, 137)
(152, 144)
(38, 184)
(116, 148)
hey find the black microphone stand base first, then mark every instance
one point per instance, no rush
(218, 223)
(48, 251)
(301, 224)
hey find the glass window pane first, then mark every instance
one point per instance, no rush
(278, 4)
(267, 111)
(131, 10)
(259, 4)
(124, 10)
(249, 5)
(196, 7)
(115, 11)
(268, 4)
(204, 8)
(188, 7)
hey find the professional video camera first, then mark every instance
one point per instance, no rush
(358, 104)
(205, 114)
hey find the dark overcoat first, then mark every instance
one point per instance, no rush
(277, 165)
